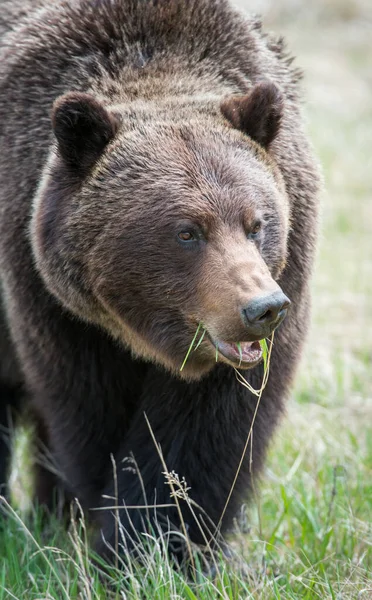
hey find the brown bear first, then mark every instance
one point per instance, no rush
(155, 182)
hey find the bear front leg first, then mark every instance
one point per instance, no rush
(201, 430)
(84, 405)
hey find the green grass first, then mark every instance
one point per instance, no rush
(308, 532)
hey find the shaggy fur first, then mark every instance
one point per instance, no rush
(122, 123)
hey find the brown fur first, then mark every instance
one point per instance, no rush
(166, 115)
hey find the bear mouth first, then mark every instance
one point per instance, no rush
(239, 354)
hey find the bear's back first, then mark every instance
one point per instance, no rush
(92, 39)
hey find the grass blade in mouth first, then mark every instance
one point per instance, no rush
(190, 347)
(263, 344)
(240, 352)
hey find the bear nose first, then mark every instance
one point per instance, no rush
(264, 313)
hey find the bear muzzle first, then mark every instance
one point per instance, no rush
(260, 318)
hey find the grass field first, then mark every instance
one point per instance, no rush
(310, 527)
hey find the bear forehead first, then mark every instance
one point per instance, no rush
(197, 174)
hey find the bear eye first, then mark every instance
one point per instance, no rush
(186, 236)
(253, 233)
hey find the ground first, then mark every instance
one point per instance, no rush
(310, 533)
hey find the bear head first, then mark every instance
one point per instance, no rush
(158, 229)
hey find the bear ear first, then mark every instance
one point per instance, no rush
(258, 114)
(83, 127)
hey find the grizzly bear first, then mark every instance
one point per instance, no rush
(155, 181)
